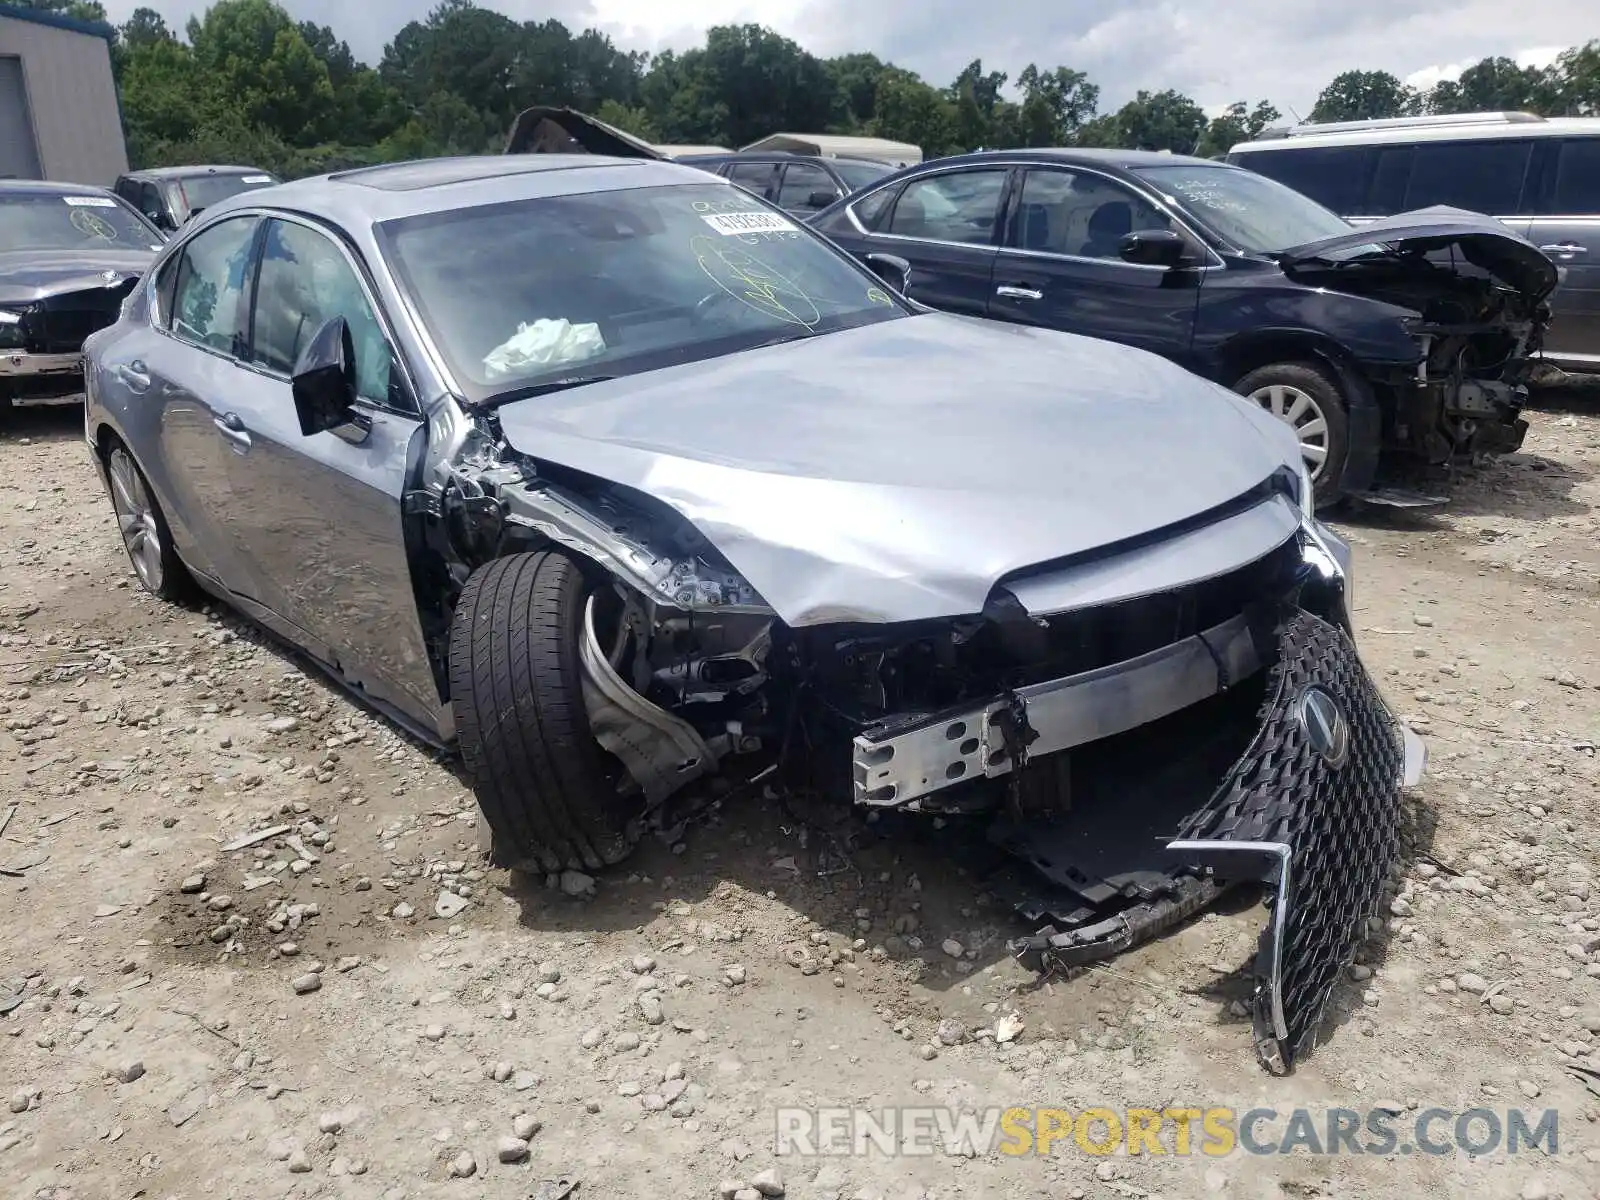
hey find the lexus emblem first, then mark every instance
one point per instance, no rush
(1326, 727)
(110, 276)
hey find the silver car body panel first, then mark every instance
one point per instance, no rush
(909, 498)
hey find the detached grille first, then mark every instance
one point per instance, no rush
(1340, 821)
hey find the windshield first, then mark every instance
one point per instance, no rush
(202, 191)
(857, 175)
(1251, 211)
(611, 283)
(47, 221)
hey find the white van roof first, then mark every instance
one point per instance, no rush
(1450, 127)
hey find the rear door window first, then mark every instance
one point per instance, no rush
(957, 206)
(1330, 175)
(800, 182)
(1480, 176)
(1577, 190)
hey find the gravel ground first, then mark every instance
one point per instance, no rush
(250, 948)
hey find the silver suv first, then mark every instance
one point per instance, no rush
(1540, 176)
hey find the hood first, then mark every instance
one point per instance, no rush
(30, 275)
(897, 471)
(546, 130)
(1483, 241)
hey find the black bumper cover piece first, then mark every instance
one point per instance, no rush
(1311, 808)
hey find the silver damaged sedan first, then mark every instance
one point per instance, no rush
(641, 492)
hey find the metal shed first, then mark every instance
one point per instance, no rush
(60, 118)
(833, 145)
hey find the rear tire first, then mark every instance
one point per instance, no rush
(146, 536)
(542, 781)
(1307, 397)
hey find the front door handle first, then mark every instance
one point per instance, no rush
(135, 376)
(1018, 293)
(1566, 248)
(231, 426)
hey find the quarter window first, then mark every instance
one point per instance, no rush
(1480, 176)
(1578, 178)
(1079, 214)
(958, 206)
(305, 282)
(213, 276)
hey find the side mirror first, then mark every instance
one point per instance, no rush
(892, 269)
(324, 385)
(821, 199)
(1153, 248)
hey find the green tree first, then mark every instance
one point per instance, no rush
(1150, 121)
(909, 110)
(636, 121)
(1575, 81)
(259, 71)
(855, 79)
(981, 117)
(1365, 96)
(1237, 123)
(1494, 85)
(144, 28)
(460, 49)
(1055, 105)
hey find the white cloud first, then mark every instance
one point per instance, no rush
(1216, 51)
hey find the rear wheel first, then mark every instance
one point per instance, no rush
(545, 786)
(1307, 397)
(145, 533)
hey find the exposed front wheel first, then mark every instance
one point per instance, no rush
(145, 533)
(1307, 397)
(546, 788)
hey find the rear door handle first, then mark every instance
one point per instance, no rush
(1018, 293)
(1568, 248)
(231, 426)
(135, 376)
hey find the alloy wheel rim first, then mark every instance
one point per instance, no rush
(136, 518)
(1299, 410)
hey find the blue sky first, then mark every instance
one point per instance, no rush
(1214, 50)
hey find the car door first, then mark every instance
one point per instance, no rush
(757, 177)
(320, 514)
(945, 225)
(1060, 266)
(1566, 225)
(802, 185)
(183, 366)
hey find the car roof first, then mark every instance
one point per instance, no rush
(1124, 159)
(371, 195)
(45, 187)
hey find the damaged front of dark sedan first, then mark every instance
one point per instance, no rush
(688, 494)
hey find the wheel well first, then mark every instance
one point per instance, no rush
(104, 436)
(1244, 355)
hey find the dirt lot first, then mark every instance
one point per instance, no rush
(352, 1005)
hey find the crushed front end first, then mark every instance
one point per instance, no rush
(41, 341)
(1137, 758)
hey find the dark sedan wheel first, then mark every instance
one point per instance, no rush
(1306, 396)
(145, 534)
(546, 788)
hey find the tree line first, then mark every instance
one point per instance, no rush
(246, 83)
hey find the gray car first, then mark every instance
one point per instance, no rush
(622, 480)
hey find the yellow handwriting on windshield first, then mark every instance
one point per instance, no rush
(92, 224)
(879, 296)
(753, 282)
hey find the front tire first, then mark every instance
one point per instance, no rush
(542, 781)
(1307, 397)
(146, 535)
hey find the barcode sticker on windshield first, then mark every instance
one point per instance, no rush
(90, 201)
(747, 222)
(256, 179)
